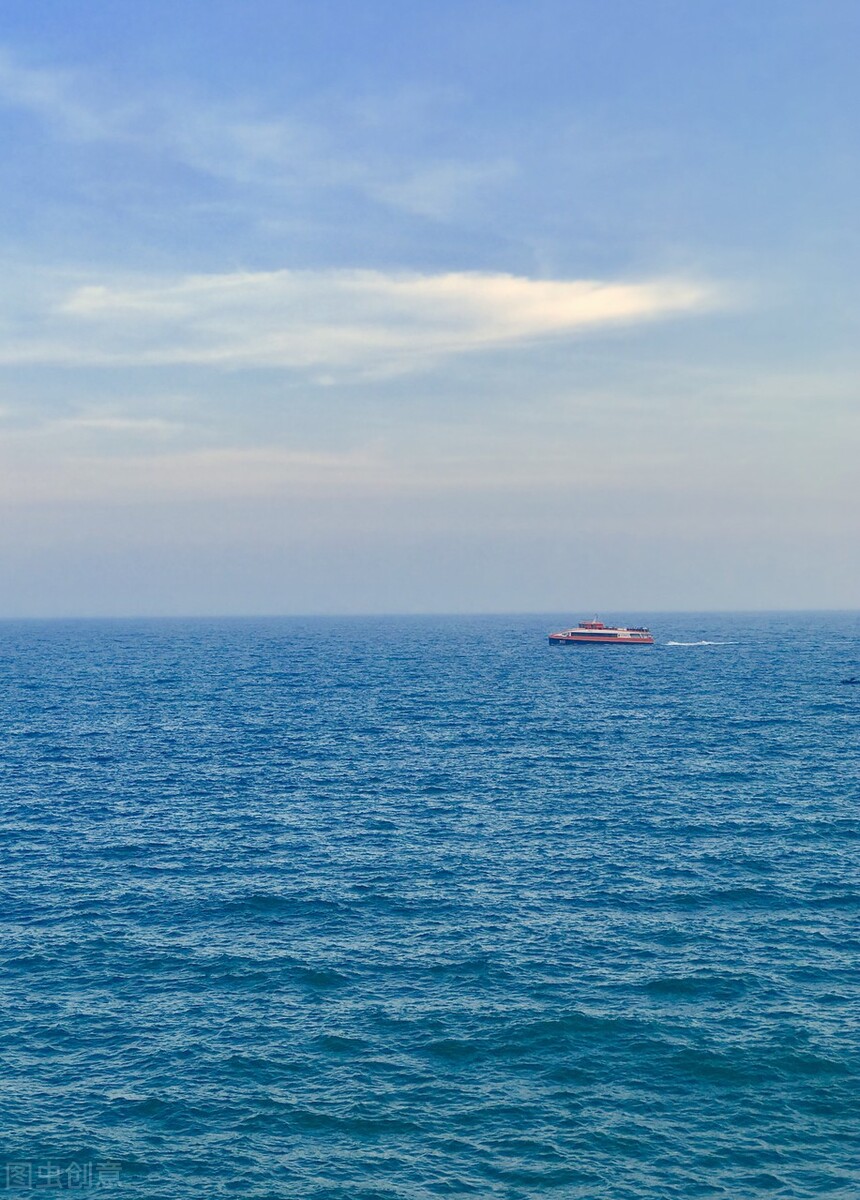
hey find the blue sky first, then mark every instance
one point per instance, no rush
(326, 307)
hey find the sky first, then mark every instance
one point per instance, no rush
(462, 306)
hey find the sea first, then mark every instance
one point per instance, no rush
(401, 908)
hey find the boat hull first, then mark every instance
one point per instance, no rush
(556, 639)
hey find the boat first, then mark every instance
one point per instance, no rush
(595, 633)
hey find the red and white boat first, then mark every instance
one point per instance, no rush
(595, 633)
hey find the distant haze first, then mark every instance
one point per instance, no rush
(443, 307)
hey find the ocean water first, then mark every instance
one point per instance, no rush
(413, 908)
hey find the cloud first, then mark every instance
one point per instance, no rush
(34, 470)
(56, 97)
(109, 424)
(240, 144)
(437, 190)
(227, 473)
(344, 322)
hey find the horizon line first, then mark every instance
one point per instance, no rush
(391, 614)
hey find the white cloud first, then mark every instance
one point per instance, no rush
(437, 190)
(110, 424)
(56, 97)
(34, 473)
(228, 473)
(238, 142)
(345, 322)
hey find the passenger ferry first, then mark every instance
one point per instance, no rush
(595, 633)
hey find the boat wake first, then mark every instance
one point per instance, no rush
(700, 643)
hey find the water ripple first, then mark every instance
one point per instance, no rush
(419, 908)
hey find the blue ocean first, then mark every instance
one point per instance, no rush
(407, 908)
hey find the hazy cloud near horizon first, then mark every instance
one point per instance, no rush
(520, 308)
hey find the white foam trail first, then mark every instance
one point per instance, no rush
(700, 643)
